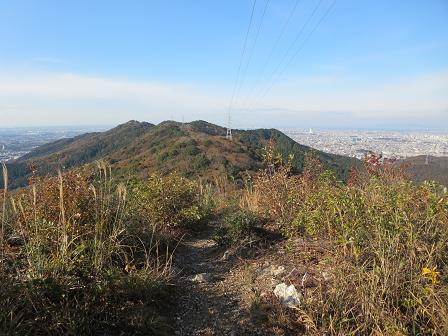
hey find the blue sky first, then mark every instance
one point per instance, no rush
(357, 64)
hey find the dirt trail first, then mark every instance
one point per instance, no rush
(211, 306)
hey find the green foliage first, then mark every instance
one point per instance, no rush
(236, 226)
(114, 302)
(207, 128)
(257, 140)
(391, 243)
(168, 201)
(79, 265)
(200, 162)
(193, 149)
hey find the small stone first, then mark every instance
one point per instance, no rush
(277, 272)
(288, 295)
(327, 276)
(15, 240)
(201, 278)
(226, 255)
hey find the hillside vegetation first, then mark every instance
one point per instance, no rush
(422, 169)
(84, 252)
(389, 269)
(196, 149)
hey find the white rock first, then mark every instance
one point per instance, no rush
(201, 277)
(279, 271)
(327, 276)
(288, 295)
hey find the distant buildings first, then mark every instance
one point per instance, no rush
(16, 142)
(357, 143)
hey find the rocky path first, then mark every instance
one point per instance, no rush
(209, 300)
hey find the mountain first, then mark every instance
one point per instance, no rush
(421, 168)
(194, 149)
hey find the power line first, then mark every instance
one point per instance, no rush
(243, 52)
(272, 77)
(301, 47)
(274, 46)
(243, 77)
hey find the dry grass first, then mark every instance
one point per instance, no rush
(82, 254)
(5, 193)
(391, 270)
(75, 264)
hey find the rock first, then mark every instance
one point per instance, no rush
(288, 295)
(15, 240)
(201, 278)
(273, 271)
(327, 276)
(226, 255)
(277, 272)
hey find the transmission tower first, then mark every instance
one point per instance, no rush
(229, 128)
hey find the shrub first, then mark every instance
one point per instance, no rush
(236, 226)
(274, 192)
(167, 201)
(392, 232)
(391, 238)
(200, 162)
(71, 264)
(208, 143)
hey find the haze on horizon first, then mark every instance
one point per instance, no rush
(305, 63)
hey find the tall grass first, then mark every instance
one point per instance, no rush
(81, 266)
(391, 237)
(5, 193)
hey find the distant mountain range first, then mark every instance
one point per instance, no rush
(192, 149)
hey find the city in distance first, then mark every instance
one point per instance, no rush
(358, 143)
(16, 142)
(224, 167)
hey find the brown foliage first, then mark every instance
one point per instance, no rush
(42, 199)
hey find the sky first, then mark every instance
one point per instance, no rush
(351, 64)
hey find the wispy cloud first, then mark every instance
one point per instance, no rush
(406, 97)
(395, 53)
(49, 60)
(62, 98)
(76, 98)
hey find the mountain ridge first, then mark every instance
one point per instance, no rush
(197, 148)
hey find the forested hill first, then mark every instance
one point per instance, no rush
(193, 149)
(422, 168)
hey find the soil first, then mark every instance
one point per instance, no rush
(234, 295)
(214, 306)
